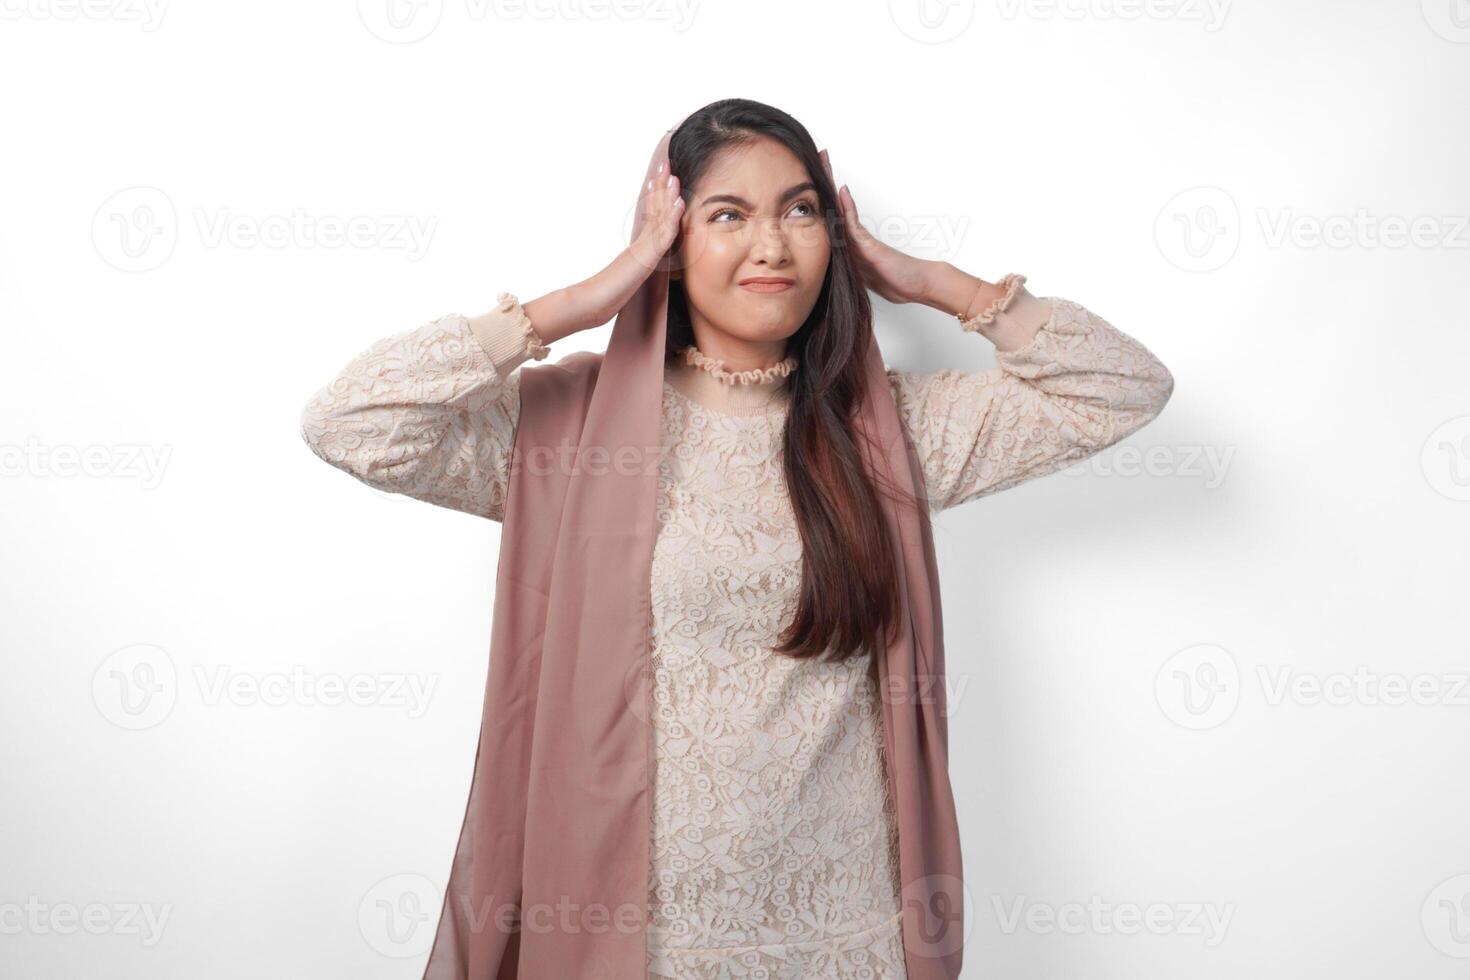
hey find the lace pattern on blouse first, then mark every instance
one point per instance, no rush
(773, 842)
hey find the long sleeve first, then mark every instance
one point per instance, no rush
(1067, 385)
(431, 412)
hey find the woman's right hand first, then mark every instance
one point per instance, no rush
(661, 207)
(597, 300)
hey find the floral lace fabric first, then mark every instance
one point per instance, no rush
(773, 846)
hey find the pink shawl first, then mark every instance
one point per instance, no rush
(550, 876)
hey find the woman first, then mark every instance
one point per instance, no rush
(773, 848)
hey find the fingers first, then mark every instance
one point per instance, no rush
(845, 204)
(665, 205)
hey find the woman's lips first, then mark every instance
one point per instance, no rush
(766, 287)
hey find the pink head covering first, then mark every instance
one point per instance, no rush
(550, 876)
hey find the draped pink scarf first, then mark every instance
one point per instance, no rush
(550, 876)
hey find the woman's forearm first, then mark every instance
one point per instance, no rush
(560, 313)
(589, 303)
(953, 291)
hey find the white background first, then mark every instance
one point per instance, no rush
(1135, 651)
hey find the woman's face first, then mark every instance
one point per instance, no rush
(753, 215)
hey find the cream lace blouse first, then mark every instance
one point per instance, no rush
(773, 845)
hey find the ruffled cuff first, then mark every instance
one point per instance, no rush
(507, 336)
(1012, 320)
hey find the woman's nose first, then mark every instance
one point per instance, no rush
(770, 240)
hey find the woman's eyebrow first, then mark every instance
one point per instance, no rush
(741, 202)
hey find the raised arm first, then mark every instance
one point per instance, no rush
(431, 412)
(1067, 384)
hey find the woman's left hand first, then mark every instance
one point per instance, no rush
(897, 277)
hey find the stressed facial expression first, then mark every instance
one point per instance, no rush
(754, 246)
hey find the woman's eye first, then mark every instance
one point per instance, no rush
(811, 211)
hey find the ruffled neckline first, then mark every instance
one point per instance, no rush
(707, 382)
(694, 357)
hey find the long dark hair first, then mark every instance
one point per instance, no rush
(849, 592)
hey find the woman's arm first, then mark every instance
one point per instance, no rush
(1067, 384)
(431, 412)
